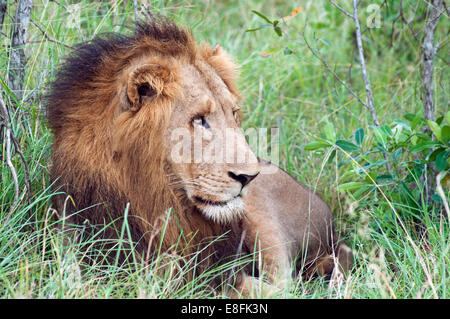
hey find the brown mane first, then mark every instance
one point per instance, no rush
(104, 169)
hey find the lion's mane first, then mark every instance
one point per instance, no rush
(104, 162)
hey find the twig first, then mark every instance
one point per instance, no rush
(428, 52)
(136, 13)
(329, 69)
(49, 38)
(369, 95)
(370, 104)
(327, 66)
(17, 56)
(341, 9)
(402, 15)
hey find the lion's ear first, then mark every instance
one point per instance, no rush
(217, 49)
(144, 84)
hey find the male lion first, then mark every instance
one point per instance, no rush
(113, 109)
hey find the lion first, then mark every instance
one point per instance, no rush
(113, 108)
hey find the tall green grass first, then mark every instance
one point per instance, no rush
(294, 93)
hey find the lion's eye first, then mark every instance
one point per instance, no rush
(200, 120)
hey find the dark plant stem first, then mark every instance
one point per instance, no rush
(429, 49)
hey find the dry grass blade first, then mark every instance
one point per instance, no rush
(11, 138)
(7, 124)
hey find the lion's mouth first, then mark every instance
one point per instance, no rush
(212, 203)
(221, 211)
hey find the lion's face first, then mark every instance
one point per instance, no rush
(205, 152)
(208, 153)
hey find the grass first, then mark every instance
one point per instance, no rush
(292, 92)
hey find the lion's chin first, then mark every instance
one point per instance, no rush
(223, 212)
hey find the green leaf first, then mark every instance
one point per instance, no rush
(325, 41)
(403, 124)
(278, 31)
(332, 156)
(320, 25)
(371, 177)
(396, 154)
(410, 116)
(319, 139)
(256, 29)
(359, 135)
(347, 146)
(415, 173)
(9, 92)
(445, 132)
(262, 16)
(437, 198)
(435, 129)
(441, 160)
(447, 116)
(417, 120)
(382, 134)
(422, 146)
(350, 186)
(315, 145)
(386, 130)
(360, 191)
(424, 137)
(384, 177)
(330, 131)
(378, 163)
(434, 154)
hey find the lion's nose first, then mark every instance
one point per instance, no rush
(244, 179)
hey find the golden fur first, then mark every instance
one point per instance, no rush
(113, 109)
